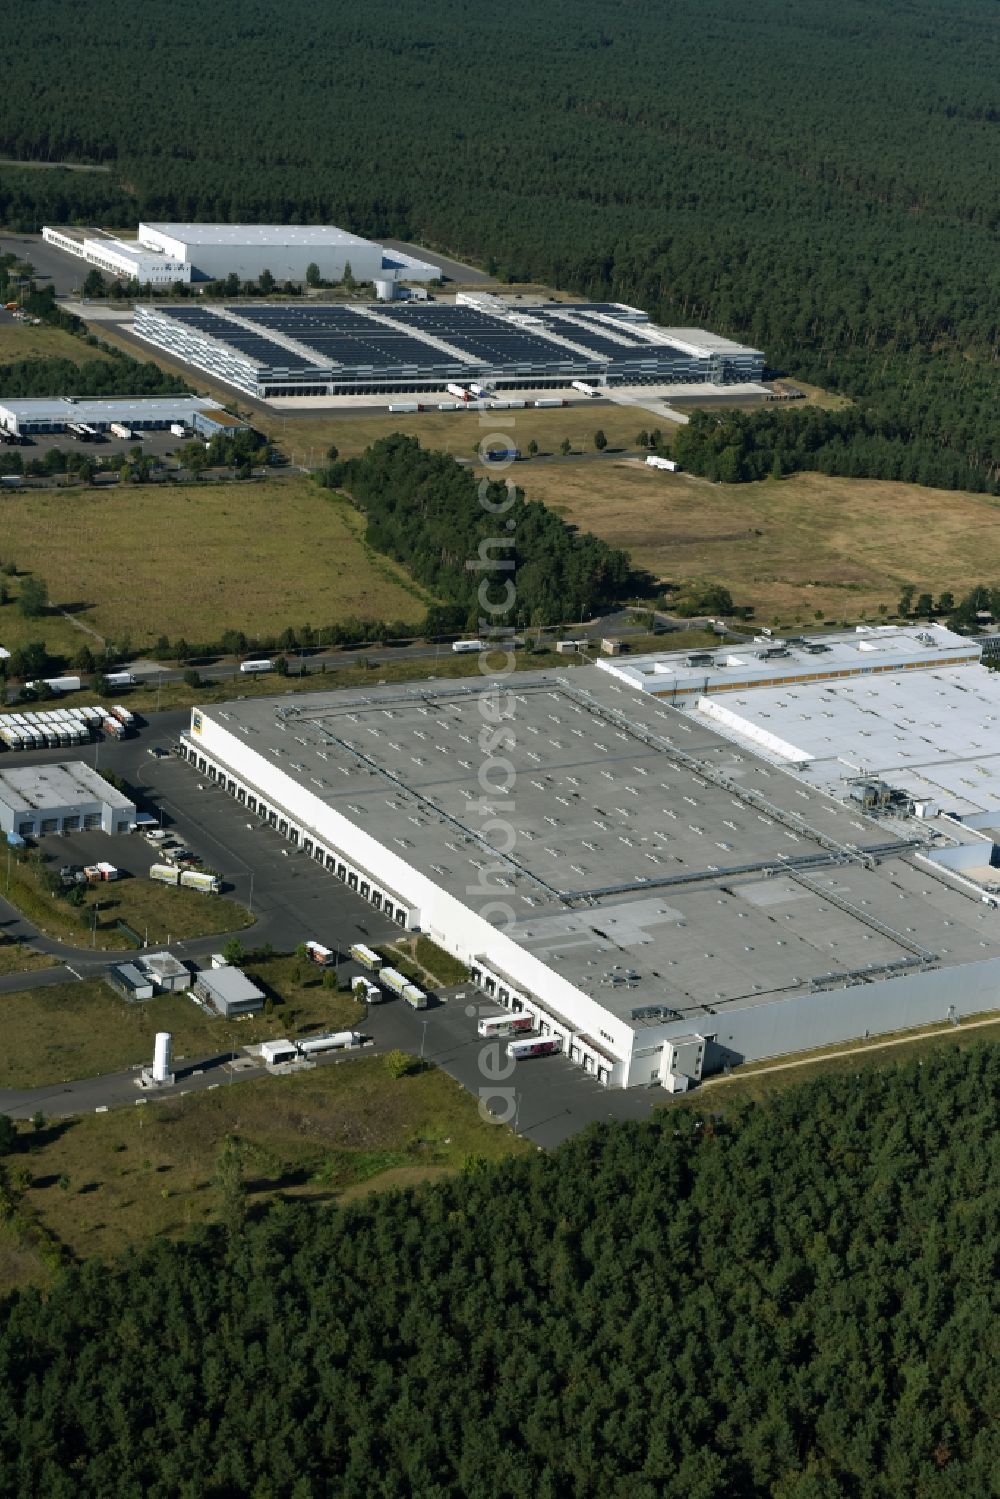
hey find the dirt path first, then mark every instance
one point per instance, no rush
(850, 1051)
(80, 625)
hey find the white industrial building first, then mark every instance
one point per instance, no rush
(308, 348)
(661, 900)
(228, 990)
(772, 661)
(163, 254)
(40, 414)
(122, 259)
(39, 799)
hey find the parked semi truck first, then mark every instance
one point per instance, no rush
(324, 957)
(459, 391)
(166, 874)
(119, 429)
(366, 956)
(398, 983)
(196, 879)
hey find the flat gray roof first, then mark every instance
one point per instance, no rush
(655, 863)
(257, 234)
(83, 409)
(865, 650)
(35, 787)
(230, 984)
(933, 734)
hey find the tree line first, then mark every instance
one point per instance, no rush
(736, 447)
(425, 510)
(791, 1300)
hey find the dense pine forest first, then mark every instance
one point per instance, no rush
(795, 1300)
(423, 509)
(818, 179)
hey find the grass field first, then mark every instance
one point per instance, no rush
(16, 958)
(130, 1176)
(22, 341)
(159, 913)
(75, 1030)
(196, 562)
(460, 432)
(794, 549)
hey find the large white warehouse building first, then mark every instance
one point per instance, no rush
(660, 900)
(162, 254)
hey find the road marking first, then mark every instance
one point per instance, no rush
(74, 972)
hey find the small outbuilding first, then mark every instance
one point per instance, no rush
(129, 980)
(229, 991)
(168, 973)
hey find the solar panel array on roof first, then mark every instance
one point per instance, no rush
(347, 337)
(491, 339)
(569, 323)
(256, 347)
(320, 349)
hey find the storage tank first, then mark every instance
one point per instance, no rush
(385, 291)
(162, 1056)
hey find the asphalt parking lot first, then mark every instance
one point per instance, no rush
(158, 444)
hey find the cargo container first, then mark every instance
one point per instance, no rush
(95, 873)
(404, 407)
(502, 455)
(392, 979)
(553, 401)
(507, 1025)
(537, 1047)
(195, 879)
(366, 956)
(364, 990)
(119, 429)
(331, 1041)
(448, 406)
(119, 678)
(414, 997)
(113, 727)
(123, 716)
(178, 429)
(165, 873)
(249, 667)
(325, 957)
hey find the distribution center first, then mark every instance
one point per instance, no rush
(668, 901)
(316, 349)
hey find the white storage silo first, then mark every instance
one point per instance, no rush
(162, 1057)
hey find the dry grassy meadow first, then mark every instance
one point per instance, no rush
(22, 341)
(183, 560)
(794, 549)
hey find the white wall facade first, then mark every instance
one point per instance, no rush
(284, 258)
